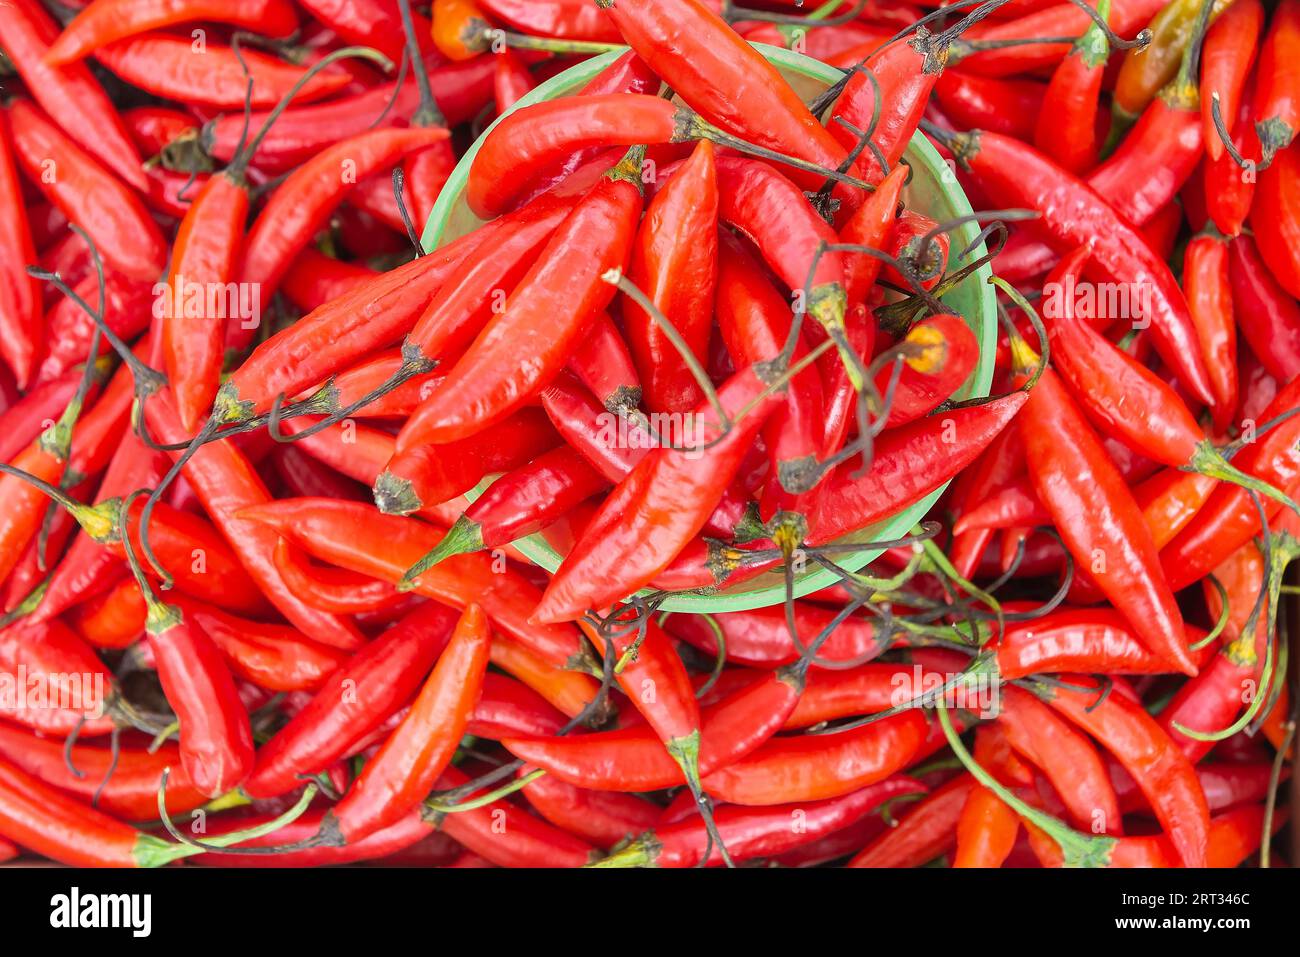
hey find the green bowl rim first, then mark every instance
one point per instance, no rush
(923, 157)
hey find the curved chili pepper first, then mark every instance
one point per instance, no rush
(1011, 107)
(939, 354)
(333, 589)
(360, 538)
(1229, 518)
(392, 840)
(987, 828)
(755, 323)
(76, 683)
(1066, 127)
(1268, 317)
(513, 80)
(226, 483)
(425, 475)
(634, 759)
(1229, 53)
(604, 365)
(760, 638)
(163, 65)
(275, 657)
(460, 90)
(20, 300)
(1016, 175)
(104, 21)
(602, 817)
(909, 463)
(674, 262)
(660, 507)
(1209, 297)
(314, 279)
(372, 23)
(472, 293)
(1164, 774)
(1229, 190)
(724, 79)
(1277, 108)
(542, 319)
(407, 765)
(562, 19)
(114, 619)
(1096, 515)
(69, 94)
(927, 831)
(508, 707)
(88, 195)
(383, 675)
(756, 832)
(1275, 218)
(870, 226)
(129, 790)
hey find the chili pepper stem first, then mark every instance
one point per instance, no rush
(98, 521)
(483, 800)
(641, 852)
(1208, 460)
(686, 752)
(465, 535)
(692, 126)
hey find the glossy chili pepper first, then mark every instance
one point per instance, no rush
(756, 832)
(562, 19)
(1267, 316)
(314, 279)
(127, 311)
(909, 463)
(507, 835)
(660, 507)
(939, 354)
(870, 226)
(1230, 190)
(1275, 218)
(1229, 518)
(69, 94)
(1066, 127)
(724, 79)
(20, 300)
(1229, 53)
(755, 323)
(1146, 70)
(226, 483)
(760, 638)
(425, 475)
(602, 817)
(1017, 175)
(513, 80)
(360, 538)
(407, 765)
(604, 365)
(114, 619)
(66, 684)
(392, 840)
(473, 292)
(372, 23)
(384, 674)
(460, 89)
(1065, 756)
(275, 657)
(1095, 513)
(987, 828)
(634, 759)
(542, 319)
(925, 832)
(1011, 107)
(508, 707)
(40, 406)
(674, 262)
(107, 20)
(163, 65)
(459, 29)
(1165, 776)
(89, 195)
(1277, 105)
(1209, 297)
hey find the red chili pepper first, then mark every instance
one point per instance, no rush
(756, 832)
(155, 128)
(1274, 218)
(360, 538)
(871, 226)
(424, 475)
(1011, 107)
(114, 619)
(1209, 297)
(987, 828)
(602, 817)
(634, 759)
(513, 80)
(314, 279)
(127, 311)
(408, 764)
(104, 21)
(1066, 127)
(909, 463)
(57, 660)
(88, 195)
(939, 354)
(761, 639)
(400, 837)
(372, 23)
(69, 94)
(1228, 55)
(562, 19)
(1016, 175)
(1229, 190)
(1165, 776)
(20, 300)
(460, 89)
(542, 319)
(724, 79)
(1268, 317)
(383, 675)
(660, 507)
(164, 66)
(674, 262)
(1277, 107)
(924, 833)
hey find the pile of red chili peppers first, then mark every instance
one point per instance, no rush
(270, 459)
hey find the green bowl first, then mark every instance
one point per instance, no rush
(933, 191)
